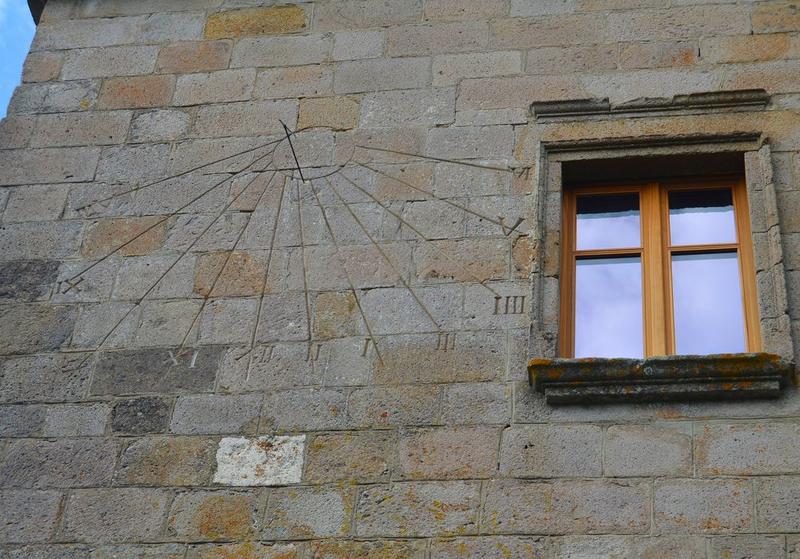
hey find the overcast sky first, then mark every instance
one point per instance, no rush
(16, 32)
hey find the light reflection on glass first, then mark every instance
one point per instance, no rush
(709, 317)
(608, 307)
(699, 217)
(609, 221)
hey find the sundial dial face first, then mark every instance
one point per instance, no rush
(310, 224)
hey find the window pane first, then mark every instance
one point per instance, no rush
(610, 221)
(698, 217)
(608, 308)
(709, 313)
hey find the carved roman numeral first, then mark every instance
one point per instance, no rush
(510, 304)
(446, 341)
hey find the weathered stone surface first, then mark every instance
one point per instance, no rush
(35, 328)
(214, 516)
(653, 450)
(272, 20)
(777, 504)
(63, 464)
(355, 45)
(476, 403)
(551, 451)
(72, 420)
(143, 371)
(140, 416)
(360, 456)
(425, 509)
(167, 461)
(281, 51)
(28, 203)
(390, 109)
(753, 547)
(28, 516)
(492, 547)
(216, 413)
(125, 236)
(262, 461)
(641, 547)
(159, 125)
(214, 87)
(115, 515)
(338, 113)
(48, 377)
(447, 453)
(364, 13)
(308, 512)
(566, 507)
(354, 549)
(194, 57)
(42, 66)
(369, 75)
(33, 240)
(435, 38)
(47, 165)
(250, 550)
(136, 92)
(747, 449)
(108, 61)
(27, 280)
(398, 405)
(703, 506)
(21, 421)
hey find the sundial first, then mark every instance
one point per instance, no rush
(297, 190)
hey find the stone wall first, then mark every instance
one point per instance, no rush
(204, 357)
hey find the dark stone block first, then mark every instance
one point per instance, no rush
(139, 416)
(21, 421)
(27, 280)
(155, 370)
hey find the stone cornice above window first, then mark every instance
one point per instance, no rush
(661, 379)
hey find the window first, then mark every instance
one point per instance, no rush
(659, 268)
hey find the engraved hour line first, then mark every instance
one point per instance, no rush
(500, 223)
(350, 282)
(383, 254)
(166, 217)
(227, 257)
(439, 159)
(420, 234)
(305, 271)
(164, 274)
(179, 175)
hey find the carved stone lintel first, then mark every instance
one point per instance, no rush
(660, 379)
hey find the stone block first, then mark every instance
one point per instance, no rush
(451, 69)
(214, 516)
(653, 450)
(566, 507)
(34, 203)
(659, 54)
(75, 33)
(42, 66)
(308, 512)
(140, 416)
(109, 62)
(71, 420)
(465, 9)
(51, 551)
(489, 547)
(516, 92)
(271, 20)
(773, 18)
(77, 129)
(721, 506)
(436, 38)
(115, 515)
(337, 113)
(167, 461)
(285, 319)
(138, 273)
(466, 261)
(778, 504)
(28, 516)
(561, 60)
(470, 142)
(354, 549)
(251, 550)
(145, 551)
(138, 92)
(168, 27)
(134, 163)
(169, 323)
(336, 315)
(476, 403)
(356, 456)
(261, 461)
(34, 328)
(305, 410)
(281, 51)
(137, 371)
(397, 405)
(299, 81)
(253, 118)
(215, 87)
(422, 509)
(747, 547)
(53, 165)
(184, 58)
(382, 74)
(228, 321)
(27, 280)
(447, 453)
(130, 236)
(159, 126)
(553, 30)
(641, 547)
(21, 421)
(115, 8)
(350, 14)
(679, 23)
(216, 413)
(50, 378)
(747, 448)
(541, 451)
(356, 45)
(39, 464)
(16, 131)
(410, 107)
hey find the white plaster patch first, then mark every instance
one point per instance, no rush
(261, 461)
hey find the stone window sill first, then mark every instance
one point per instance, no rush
(661, 379)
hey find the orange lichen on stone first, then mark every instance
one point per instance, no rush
(133, 236)
(224, 517)
(255, 21)
(241, 277)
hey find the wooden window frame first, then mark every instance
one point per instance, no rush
(655, 253)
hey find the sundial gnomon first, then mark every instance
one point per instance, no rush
(291, 169)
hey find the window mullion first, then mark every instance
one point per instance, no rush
(653, 253)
